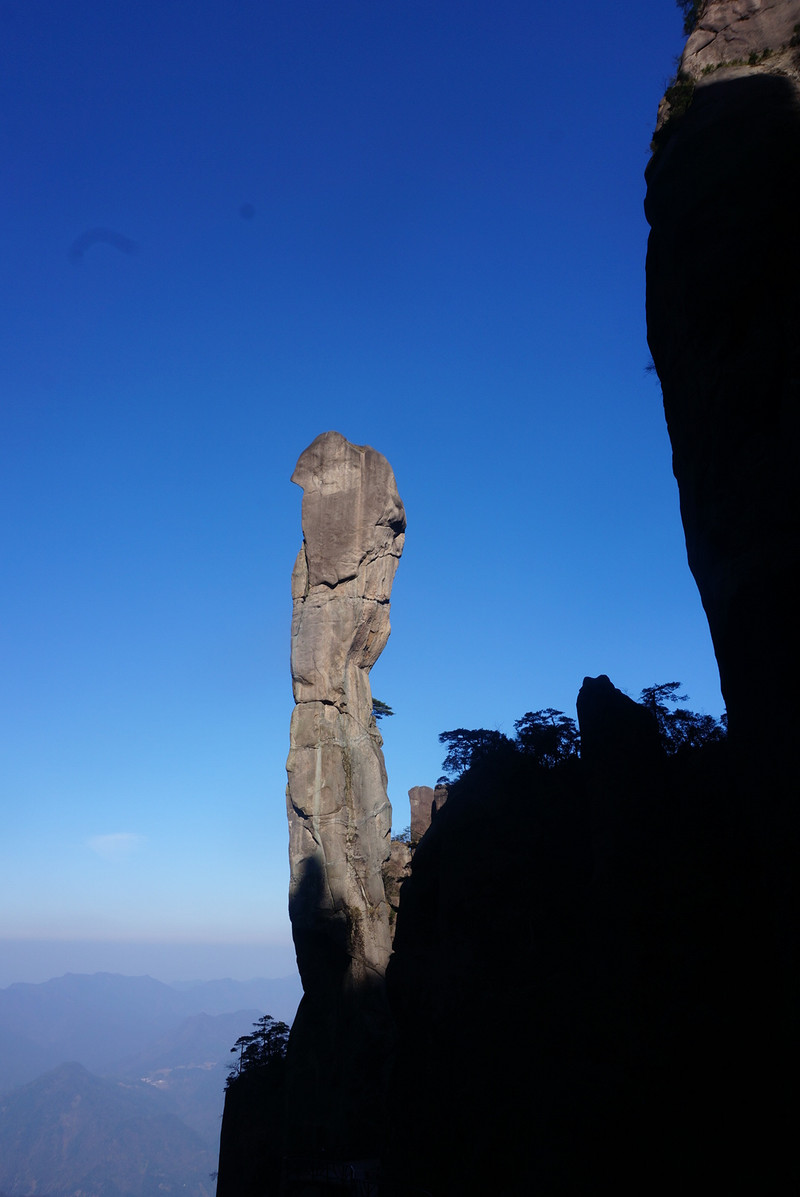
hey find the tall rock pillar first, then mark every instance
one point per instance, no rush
(339, 813)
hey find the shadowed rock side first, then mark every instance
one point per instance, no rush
(577, 981)
(339, 813)
(723, 300)
(723, 312)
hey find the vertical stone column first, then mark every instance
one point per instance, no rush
(422, 805)
(338, 809)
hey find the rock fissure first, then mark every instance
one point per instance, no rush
(732, 33)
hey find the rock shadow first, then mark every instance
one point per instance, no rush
(341, 1043)
(578, 977)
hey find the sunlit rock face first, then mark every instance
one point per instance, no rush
(731, 31)
(421, 801)
(339, 813)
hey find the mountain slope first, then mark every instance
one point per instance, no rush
(95, 1019)
(189, 1066)
(71, 1132)
(105, 1018)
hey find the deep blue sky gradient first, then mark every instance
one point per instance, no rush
(443, 257)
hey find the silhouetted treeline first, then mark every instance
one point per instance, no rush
(547, 737)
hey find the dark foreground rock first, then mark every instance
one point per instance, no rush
(573, 1012)
(723, 311)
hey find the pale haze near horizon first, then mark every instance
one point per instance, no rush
(35, 961)
(417, 223)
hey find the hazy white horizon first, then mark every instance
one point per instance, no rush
(38, 960)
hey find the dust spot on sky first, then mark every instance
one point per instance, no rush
(81, 245)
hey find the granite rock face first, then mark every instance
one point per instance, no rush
(396, 871)
(338, 810)
(421, 801)
(733, 31)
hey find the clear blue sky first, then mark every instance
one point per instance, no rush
(418, 222)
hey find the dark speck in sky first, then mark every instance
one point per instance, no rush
(97, 236)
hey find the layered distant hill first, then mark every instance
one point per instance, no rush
(70, 1132)
(103, 1019)
(113, 1086)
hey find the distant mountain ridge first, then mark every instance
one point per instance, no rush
(190, 1065)
(148, 1125)
(101, 1019)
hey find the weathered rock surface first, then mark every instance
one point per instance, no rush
(395, 872)
(339, 813)
(421, 802)
(733, 31)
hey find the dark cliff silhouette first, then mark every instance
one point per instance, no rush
(723, 303)
(252, 1139)
(567, 976)
(594, 980)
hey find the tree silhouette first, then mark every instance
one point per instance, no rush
(549, 736)
(260, 1049)
(465, 746)
(680, 729)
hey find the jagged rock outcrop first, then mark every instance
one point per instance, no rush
(339, 813)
